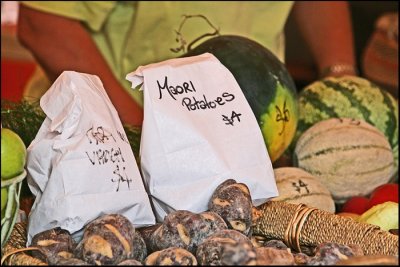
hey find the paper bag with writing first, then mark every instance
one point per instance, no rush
(198, 131)
(80, 164)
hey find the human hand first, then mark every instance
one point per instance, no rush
(337, 70)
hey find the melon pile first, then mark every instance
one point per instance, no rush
(347, 135)
(349, 97)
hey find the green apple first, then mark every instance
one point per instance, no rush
(4, 196)
(385, 215)
(13, 154)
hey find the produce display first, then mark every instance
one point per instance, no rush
(338, 204)
(110, 239)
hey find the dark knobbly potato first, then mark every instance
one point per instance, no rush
(108, 239)
(274, 256)
(330, 253)
(146, 232)
(139, 249)
(278, 244)
(232, 201)
(130, 262)
(171, 256)
(71, 262)
(226, 247)
(186, 230)
(301, 258)
(54, 244)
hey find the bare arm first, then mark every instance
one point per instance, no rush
(60, 44)
(326, 28)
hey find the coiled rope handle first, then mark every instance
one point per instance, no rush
(293, 230)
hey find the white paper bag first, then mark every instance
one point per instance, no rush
(198, 131)
(80, 164)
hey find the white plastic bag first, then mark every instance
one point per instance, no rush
(80, 164)
(198, 131)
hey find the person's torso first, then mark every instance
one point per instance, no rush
(135, 33)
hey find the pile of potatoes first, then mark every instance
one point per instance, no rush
(219, 236)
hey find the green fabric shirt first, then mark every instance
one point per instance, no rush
(134, 33)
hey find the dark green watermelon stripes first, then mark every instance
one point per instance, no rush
(391, 123)
(349, 94)
(343, 148)
(315, 100)
(319, 173)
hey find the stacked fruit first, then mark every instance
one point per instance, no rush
(343, 158)
(349, 97)
(13, 158)
(347, 137)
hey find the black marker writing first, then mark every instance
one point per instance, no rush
(300, 185)
(123, 137)
(229, 121)
(175, 90)
(283, 116)
(195, 104)
(121, 177)
(103, 156)
(99, 135)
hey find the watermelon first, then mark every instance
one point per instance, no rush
(349, 97)
(266, 84)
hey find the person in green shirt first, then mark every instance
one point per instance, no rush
(112, 38)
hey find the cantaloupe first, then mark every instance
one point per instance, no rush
(297, 186)
(350, 157)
